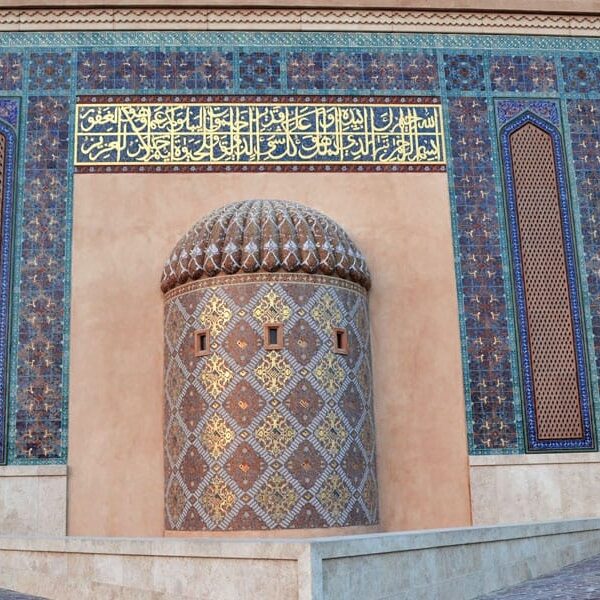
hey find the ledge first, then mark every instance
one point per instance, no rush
(560, 6)
(417, 19)
(33, 471)
(293, 548)
(505, 460)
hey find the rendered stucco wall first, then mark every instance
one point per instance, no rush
(124, 226)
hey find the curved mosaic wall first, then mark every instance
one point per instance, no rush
(268, 439)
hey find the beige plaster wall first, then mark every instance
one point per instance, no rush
(125, 225)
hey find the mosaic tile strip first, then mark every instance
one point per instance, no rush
(407, 71)
(464, 72)
(11, 71)
(38, 413)
(488, 373)
(523, 74)
(258, 133)
(316, 41)
(584, 124)
(556, 419)
(132, 69)
(50, 71)
(8, 156)
(268, 439)
(581, 73)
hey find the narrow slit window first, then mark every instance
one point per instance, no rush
(340, 340)
(273, 336)
(201, 342)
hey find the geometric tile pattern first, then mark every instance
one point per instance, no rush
(38, 413)
(285, 440)
(468, 72)
(584, 126)
(523, 74)
(480, 277)
(262, 235)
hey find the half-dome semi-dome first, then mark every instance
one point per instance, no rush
(264, 235)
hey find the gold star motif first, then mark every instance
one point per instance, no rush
(331, 433)
(329, 373)
(275, 434)
(277, 497)
(215, 315)
(215, 375)
(272, 309)
(273, 372)
(218, 499)
(216, 436)
(326, 312)
(334, 495)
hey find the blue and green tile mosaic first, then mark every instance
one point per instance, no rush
(47, 71)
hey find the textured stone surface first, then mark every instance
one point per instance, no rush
(454, 564)
(580, 581)
(33, 500)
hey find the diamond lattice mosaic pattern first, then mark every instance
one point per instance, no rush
(281, 438)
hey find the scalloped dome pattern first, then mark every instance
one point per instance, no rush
(268, 236)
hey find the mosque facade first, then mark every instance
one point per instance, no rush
(303, 270)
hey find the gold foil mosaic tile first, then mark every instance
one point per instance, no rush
(270, 438)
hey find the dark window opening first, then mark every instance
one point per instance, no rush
(201, 342)
(340, 340)
(273, 336)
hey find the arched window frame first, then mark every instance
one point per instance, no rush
(7, 186)
(533, 442)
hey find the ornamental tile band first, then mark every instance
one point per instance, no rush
(172, 134)
(9, 111)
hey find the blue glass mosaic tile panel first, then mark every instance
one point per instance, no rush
(343, 70)
(38, 414)
(581, 73)
(489, 383)
(11, 71)
(584, 124)
(49, 71)
(523, 74)
(464, 72)
(131, 70)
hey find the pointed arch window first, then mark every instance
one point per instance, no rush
(8, 144)
(552, 354)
